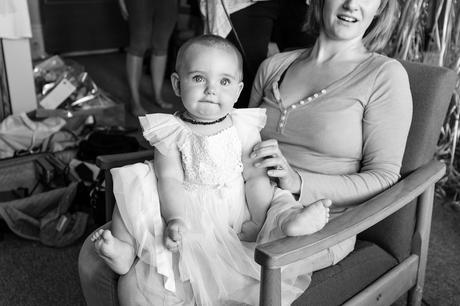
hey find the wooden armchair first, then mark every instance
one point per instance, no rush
(393, 228)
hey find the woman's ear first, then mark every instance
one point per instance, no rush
(175, 81)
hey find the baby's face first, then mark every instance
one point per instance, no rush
(209, 82)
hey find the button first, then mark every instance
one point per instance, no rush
(283, 117)
(281, 124)
(323, 91)
(293, 106)
(302, 102)
(315, 95)
(285, 111)
(309, 99)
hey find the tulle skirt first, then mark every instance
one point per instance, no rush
(213, 267)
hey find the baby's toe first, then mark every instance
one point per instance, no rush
(107, 235)
(326, 203)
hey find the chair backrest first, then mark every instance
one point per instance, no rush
(431, 88)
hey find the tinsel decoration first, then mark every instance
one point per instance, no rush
(444, 44)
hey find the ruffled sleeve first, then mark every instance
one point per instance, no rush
(248, 122)
(249, 118)
(163, 131)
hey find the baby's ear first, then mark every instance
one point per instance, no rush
(240, 85)
(175, 81)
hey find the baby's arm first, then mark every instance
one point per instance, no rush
(258, 190)
(170, 174)
(116, 249)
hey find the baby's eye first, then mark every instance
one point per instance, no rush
(198, 78)
(225, 82)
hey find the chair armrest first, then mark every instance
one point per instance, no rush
(105, 162)
(276, 254)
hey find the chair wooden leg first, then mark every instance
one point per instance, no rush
(420, 243)
(270, 287)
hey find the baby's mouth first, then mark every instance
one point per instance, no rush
(209, 101)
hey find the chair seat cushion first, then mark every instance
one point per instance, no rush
(337, 284)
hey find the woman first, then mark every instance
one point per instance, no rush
(338, 118)
(338, 113)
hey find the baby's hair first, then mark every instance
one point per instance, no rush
(209, 40)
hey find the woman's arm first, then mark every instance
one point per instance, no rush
(257, 86)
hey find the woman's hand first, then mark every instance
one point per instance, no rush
(269, 156)
(173, 234)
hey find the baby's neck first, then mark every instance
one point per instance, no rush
(207, 128)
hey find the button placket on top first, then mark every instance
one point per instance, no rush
(285, 110)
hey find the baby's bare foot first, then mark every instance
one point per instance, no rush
(118, 255)
(104, 243)
(307, 220)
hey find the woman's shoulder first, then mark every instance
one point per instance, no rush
(381, 63)
(282, 59)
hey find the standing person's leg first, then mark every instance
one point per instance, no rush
(253, 26)
(134, 74)
(140, 27)
(164, 20)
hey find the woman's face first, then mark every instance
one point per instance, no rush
(348, 19)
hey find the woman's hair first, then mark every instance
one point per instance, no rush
(377, 34)
(209, 40)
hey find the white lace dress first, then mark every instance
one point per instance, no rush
(213, 266)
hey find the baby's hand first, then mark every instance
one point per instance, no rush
(173, 234)
(249, 231)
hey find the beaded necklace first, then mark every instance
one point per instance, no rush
(182, 116)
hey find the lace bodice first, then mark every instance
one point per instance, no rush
(212, 160)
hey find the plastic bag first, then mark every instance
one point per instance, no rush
(20, 133)
(65, 89)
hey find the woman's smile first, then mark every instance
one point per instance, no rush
(347, 18)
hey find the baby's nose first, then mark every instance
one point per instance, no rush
(210, 90)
